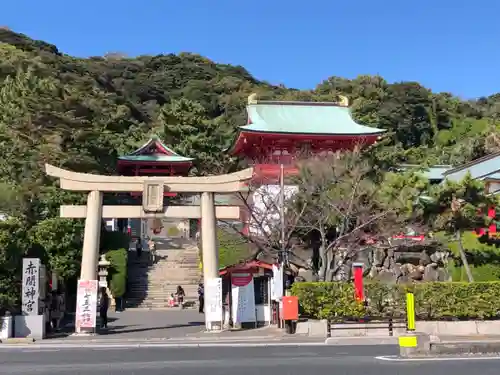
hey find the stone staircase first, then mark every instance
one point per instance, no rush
(150, 285)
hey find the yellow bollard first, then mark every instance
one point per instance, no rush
(410, 311)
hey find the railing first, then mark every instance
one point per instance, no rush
(370, 323)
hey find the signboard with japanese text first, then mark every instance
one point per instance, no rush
(31, 286)
(86, 304)
(243, 298)
(213, 300)
(277, 282)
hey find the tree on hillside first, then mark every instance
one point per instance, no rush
(335, 206)
(82, 113)
(269, 224)
(62, 241)
(13, 246)
(185, 126)
(457, 206)
(345, 207)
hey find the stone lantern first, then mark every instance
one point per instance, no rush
(103, 275)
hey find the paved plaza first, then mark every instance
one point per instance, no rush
(142, 324)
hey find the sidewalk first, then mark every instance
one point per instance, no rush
(210, 340)
(470, 338)
(169, 326)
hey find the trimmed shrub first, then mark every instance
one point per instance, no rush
(117, 276)
(433, 301)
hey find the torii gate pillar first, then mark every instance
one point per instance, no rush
(209, 237)
(90, 251)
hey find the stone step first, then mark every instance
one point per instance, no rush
(166, 276)
(151, 285)
(189, 284)
(193, 291)
(169, 286)
(158, 303)
(149, 301)
(142, 291)
(171, 280)
(159, 307)
(159, 278)
(165, 288)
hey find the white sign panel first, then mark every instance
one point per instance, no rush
(266, 208)
(31, 286)
(213, 300)
(243, 298)
(86, 304)
(277, 282)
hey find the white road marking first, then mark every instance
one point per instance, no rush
(436, 359)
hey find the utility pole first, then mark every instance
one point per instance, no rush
(284, 254)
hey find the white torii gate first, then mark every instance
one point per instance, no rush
(152, 189)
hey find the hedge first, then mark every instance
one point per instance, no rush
(117, 276)
(433, 301)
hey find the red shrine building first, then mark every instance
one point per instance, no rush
(277, 133)
(281, 132)
(153, 158)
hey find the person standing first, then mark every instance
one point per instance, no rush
(180, 296)
(152, 250)
(56, 310)
(103, 308)
(201, 298)
(138, 247)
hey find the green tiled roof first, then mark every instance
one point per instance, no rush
(478, 168)
(156, 157)
(493, 176)
(304, 118)
(171, 156)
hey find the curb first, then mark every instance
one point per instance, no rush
(190, 341)
(464, 348)
(384, 340)
(17, 340)
(131, 345)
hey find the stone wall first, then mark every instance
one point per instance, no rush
(398, 264)
(403, 266)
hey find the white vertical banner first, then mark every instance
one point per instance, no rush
(86, 305)
(31, 286)
(277, 282)
(213, 302)
(243, 298)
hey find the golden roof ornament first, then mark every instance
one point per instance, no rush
(344, 101)
(252, 98)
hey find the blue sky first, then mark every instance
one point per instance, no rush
(447, 45)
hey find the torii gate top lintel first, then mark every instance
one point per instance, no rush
(75, 181)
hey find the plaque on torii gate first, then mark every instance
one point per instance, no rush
(152, 197)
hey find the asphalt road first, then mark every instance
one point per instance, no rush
(338, 360)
